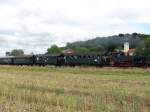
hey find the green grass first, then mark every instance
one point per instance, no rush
(50, 89)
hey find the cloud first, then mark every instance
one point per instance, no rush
(7, 1)
(34, 25)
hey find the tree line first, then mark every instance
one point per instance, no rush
(139, 42)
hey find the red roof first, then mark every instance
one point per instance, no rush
(68, 51)
(131, 50)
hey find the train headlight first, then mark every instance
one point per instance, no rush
(96, 60)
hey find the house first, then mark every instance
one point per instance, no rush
(131, 52)
(68, 51)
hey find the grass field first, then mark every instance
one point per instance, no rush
(50, 89)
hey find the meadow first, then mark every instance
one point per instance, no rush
(90, 89)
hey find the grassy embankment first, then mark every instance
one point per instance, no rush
(49, 89)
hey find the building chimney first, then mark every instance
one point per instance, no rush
(126, 47)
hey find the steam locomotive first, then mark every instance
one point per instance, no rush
(116, 59)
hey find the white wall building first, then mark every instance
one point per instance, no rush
(126, 47)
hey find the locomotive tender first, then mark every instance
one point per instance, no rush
(118, 59)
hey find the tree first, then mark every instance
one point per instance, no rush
(8, 53)
(54, 49)
(81, 50)
(111, 48)
(118, 48)
(135, 34)
(147, 44)
(17, 52)
(121, 35)
(139, 50)
(98, 49)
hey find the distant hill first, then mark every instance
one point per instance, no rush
(105, 45)
(135, 40)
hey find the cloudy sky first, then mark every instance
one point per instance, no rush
(34, 25)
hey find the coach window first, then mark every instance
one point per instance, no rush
(84, 57)
(79, 57)
(89, 56)
(72, 57)
(75, 57)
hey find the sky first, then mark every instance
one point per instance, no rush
(35, 25)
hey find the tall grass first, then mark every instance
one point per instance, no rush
(50, 89)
